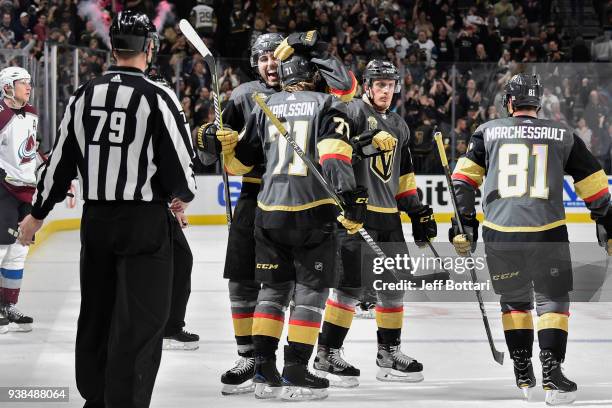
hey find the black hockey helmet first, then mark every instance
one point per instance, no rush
(132, 31)
(523, 90)
(296, 69)
(378, 69)
(264, 43)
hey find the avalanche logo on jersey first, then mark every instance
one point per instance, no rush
(27, 150)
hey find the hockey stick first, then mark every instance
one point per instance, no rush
(279, 126)
(498, 356)
(192, 36)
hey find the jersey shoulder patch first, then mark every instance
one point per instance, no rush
(6, 114)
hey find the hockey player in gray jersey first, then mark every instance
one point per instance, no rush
(240, 270)
(524, 159)
(295, 223)
(390, 180)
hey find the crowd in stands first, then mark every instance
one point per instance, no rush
(453, 59)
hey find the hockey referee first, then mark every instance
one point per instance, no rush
(127, 140)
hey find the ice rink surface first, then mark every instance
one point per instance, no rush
(448, 338)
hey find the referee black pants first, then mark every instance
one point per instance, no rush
(181, 285)
(126, 280)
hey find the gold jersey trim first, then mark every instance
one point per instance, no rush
(301, 207)
(538, 228)
(470, 169)
(253, 180)
(386, 210)
(591, 185)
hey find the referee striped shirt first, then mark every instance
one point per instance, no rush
(126, 138)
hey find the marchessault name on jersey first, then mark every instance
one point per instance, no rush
(524, 132)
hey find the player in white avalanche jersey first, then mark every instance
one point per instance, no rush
(18, 146)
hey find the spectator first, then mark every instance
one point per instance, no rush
(595, 109)
(426, 44)
(41, 29)
(548, 99)
(446, 50)
(584, 133)
(326, 28)
(503, 10)
(199, 77)
(229, 75)
(21, 26)
(374, 47)
(580, 52)
(505, 60)
(466, 44)
(381, 23)
(7, 36)
(460, 132)
(398, 43)
(554, 53)
(481, 54)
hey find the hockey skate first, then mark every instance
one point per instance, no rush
(19, 321)
(559, 390)
(395, 366)
(365, 310)
(523, 372)
(329, 364)
(239, 379)
(183, 340)
(267, 380)
(299, 384)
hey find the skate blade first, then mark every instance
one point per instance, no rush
(170, 344)
(339, 381)
(556, 397)
(527, 393)
(264, 391)
(293, 393)
(391, 375)
(20, 328)
(4, 329)
(235, 389)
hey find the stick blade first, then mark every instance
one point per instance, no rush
(498, 356)
(194, 39)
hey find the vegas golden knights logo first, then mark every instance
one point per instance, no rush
(381, 165)
(372, 123)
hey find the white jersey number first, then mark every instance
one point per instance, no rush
(512, 179)
(299, 131)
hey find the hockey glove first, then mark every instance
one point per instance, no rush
(424, 227)
(228, 139)
(355, 207)
(384, 141)
(206, 139)
(363, 145)
(465, 243)
(604, 231)
(302, 42)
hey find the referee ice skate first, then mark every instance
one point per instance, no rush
(127, 140)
